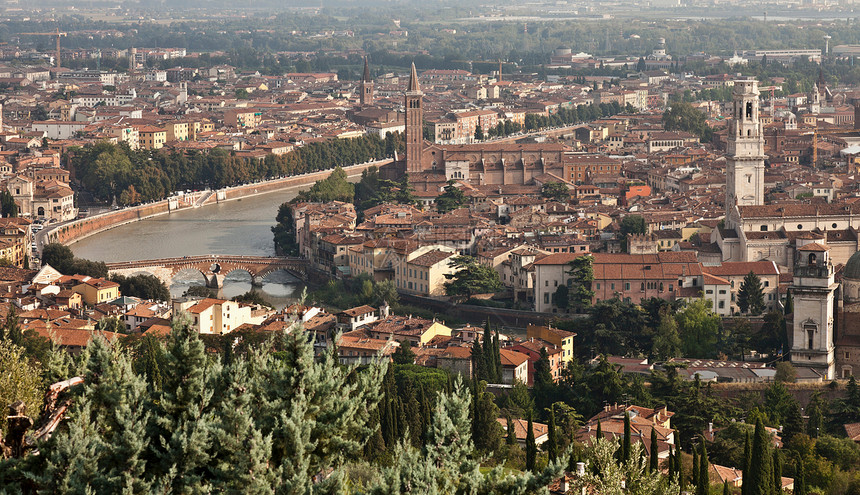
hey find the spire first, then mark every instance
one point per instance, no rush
(413, 79)
(366, 77)
(500, 70)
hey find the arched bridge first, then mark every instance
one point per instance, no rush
(213, 267)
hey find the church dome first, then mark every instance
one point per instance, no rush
(852, 268)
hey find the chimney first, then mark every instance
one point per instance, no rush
(580, 469)
(710, 427)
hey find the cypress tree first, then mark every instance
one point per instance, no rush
(760, 476)
(747, 461)
(599, 433)
(679, 464)
(497, 356)
(777, 472)
(412, 412)
(654, 460)
(625, 446)
(694, 473)
(726, 490)
(800, 478)
(671, 464)
(531, 448)
(551, 440)
(704, 485)
(488, 355)
(511, 437)
(479, 366)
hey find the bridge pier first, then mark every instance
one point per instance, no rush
(214, 280)
(257, 281)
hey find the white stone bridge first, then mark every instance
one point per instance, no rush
(213, 267)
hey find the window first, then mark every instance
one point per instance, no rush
(626, 285)
(709, 291)
(612, 286)
(800, 226)
(834, 225)
(643, 287)
(598, 285)
(722, 304)
(546, 298)
(763, 228)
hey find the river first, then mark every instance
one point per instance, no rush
(234, 227)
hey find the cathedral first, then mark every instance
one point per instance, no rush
(807, 240)
(430, 165)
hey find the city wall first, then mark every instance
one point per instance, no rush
(85, 227)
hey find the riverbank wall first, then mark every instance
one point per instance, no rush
(84, 227)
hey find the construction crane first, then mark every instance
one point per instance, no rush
(57, 33)
(826, 132)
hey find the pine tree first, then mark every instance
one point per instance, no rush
(551, 440)
(531, 448)
(625, 446)
(654, 461)
(751, 295)
(240, 460)
(182, 425)
(704, 486)
(760, 477)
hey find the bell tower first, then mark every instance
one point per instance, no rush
(745, 148)
(414, 123)
(366, 87)
(813, 288)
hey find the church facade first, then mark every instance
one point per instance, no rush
(480, 164)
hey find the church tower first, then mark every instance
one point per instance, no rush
(812, 289)
(414, 123)
(745, 148)
(366, 87)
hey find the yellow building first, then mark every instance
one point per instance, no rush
(177, 131)
(97, 290)
(555, 336)
(151, 137)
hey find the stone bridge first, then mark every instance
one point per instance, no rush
(213, 267)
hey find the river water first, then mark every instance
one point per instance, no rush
(234, 227)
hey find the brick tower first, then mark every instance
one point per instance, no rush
(414, 123)
(366, 97)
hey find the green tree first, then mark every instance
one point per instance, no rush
(704, 485)
(551, 445)
(20, 380)
(582, 276)
(58, 256)
(561, 297)
(626, 441)
(451, 199)
(144, 286)
(471, 278)
(633, 224)
(8, 208)
(682, 116)
(800, 478)
(335, 187)
(785, 372)
(403, 354)
(555, 191)
(606, 476)
(815, 410)
(751, 295)
(760, 477)
(445, 463)
(531, 448)
(699, 328)
(667, 342)
(654, 459)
